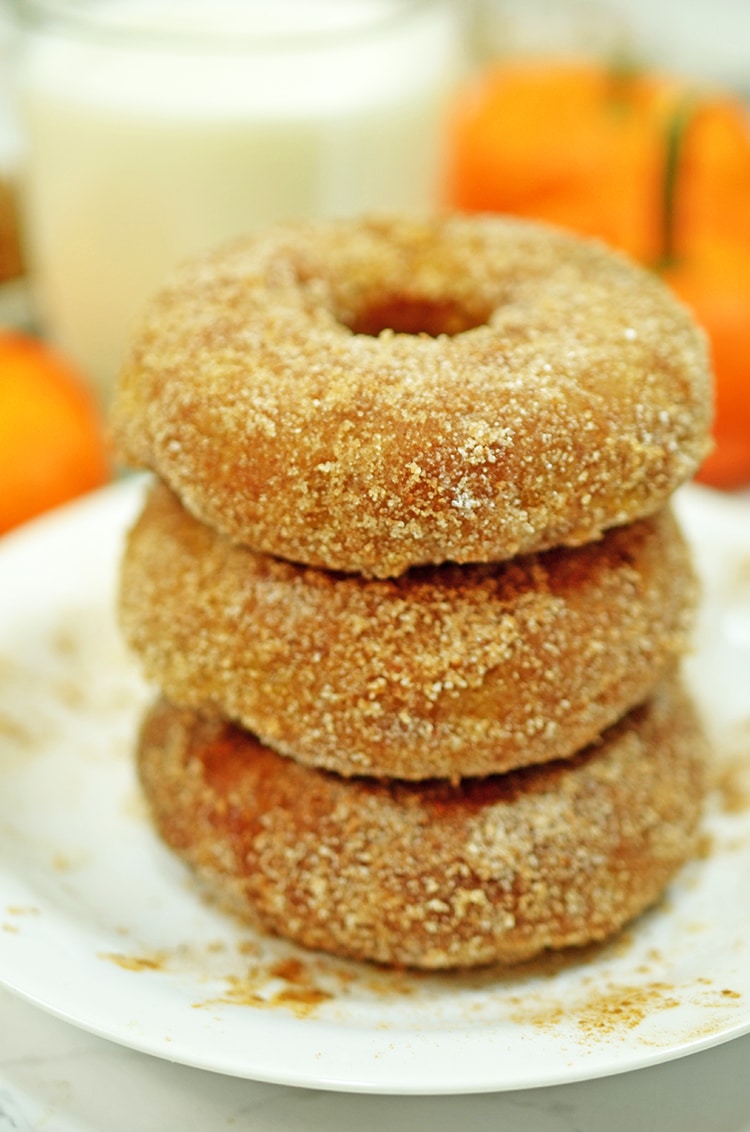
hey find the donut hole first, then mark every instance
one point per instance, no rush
(407, 315)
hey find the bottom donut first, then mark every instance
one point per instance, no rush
(432, 875)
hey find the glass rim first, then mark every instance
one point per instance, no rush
(95, 19)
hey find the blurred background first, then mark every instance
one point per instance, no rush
(134, 133)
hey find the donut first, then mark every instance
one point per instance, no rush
(431, 875)
(442, 672)
(371, 394)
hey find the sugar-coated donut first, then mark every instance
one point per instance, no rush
(368, 395)
(444, 672)
(431, 875)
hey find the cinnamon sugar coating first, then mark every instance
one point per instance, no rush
(443, 672)
(369, 395)
(431, 875)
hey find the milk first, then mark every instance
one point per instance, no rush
(146, 148)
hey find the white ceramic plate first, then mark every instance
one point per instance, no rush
(100, 925)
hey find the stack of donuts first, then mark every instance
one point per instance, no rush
(410, 587)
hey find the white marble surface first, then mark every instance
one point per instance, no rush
(56, 1078)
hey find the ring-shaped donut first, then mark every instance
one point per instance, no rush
(443, 672)
(369, 395)
(431, 875)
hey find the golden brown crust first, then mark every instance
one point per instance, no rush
(572, 396)
(444, 672)
(431, 875)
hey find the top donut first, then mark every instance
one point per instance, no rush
(369, 395)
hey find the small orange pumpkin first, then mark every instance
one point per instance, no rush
(643, 161)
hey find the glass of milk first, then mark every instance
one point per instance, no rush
(155, 128)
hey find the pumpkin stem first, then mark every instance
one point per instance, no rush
(676, 133)
(622, 71)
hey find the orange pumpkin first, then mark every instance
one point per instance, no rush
(52, 440)
(568, 142)
(643, 161)
(714, 281)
